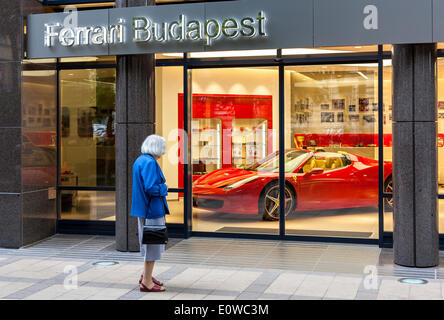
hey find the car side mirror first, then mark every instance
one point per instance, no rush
(314, 171)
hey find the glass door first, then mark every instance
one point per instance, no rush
(235, 156)
(331, 113)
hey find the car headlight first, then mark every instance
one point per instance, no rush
(239, 183)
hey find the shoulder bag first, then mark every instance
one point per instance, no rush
(154, 234)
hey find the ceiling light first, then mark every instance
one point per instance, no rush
(310, 51)
(226, 54)
(38, 73)
(362, 75)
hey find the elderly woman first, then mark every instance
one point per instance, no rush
(149, 205)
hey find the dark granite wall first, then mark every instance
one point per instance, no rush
(27, 169)
(415, 216)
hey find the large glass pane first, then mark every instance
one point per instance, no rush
(87, 127)
(39, 105)
(331, 114)
(169, 124)
(441, 141)
(441, 126)
(235, 150)
(88, 205)
(387, 130)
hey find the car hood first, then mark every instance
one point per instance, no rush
(222, 177)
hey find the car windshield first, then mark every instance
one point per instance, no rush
(293, 159)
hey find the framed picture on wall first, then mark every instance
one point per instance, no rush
(441, 105)
(325, 106)
(352, 108)
(363, 104)
(340, 117)
(374, 107)
(327, 117)
(369, 118)
(353, 118)
(338, 104)
(85, 120)
(65, 123)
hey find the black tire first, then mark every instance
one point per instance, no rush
(269, 201)
(388, 188)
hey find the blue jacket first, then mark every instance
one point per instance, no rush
(148, 181)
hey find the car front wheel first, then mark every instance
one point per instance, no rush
(388, 188)
(269, 202)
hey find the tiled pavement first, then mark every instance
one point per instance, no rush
(208, 268)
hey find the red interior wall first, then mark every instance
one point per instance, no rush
(228, 107)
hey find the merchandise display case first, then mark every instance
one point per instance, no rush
(249, 141)
(206, 145)
(228, 131)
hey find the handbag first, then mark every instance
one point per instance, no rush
(154, 234)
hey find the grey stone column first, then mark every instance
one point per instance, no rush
(27, 202)
(415, 234)
(135, 109)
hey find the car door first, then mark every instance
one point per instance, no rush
(333, 188)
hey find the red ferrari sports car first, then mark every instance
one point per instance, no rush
(314, 181)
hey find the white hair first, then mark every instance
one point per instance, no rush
(153, 145)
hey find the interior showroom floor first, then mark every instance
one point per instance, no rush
(349, 223)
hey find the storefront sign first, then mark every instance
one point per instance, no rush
(243, 24)
(147, 30)
(235, 25)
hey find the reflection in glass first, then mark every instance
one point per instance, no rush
(88, 205)
(87, 99)
(332, 114)
(39, 155)
(235, 116)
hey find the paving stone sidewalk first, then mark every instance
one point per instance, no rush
(62, 268)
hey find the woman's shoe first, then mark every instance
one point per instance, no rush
(155, 288)
(154, 280)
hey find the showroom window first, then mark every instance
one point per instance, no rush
(331, 112)
(234, 147)
(39, 134)
(244, 105)
(87, 143)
